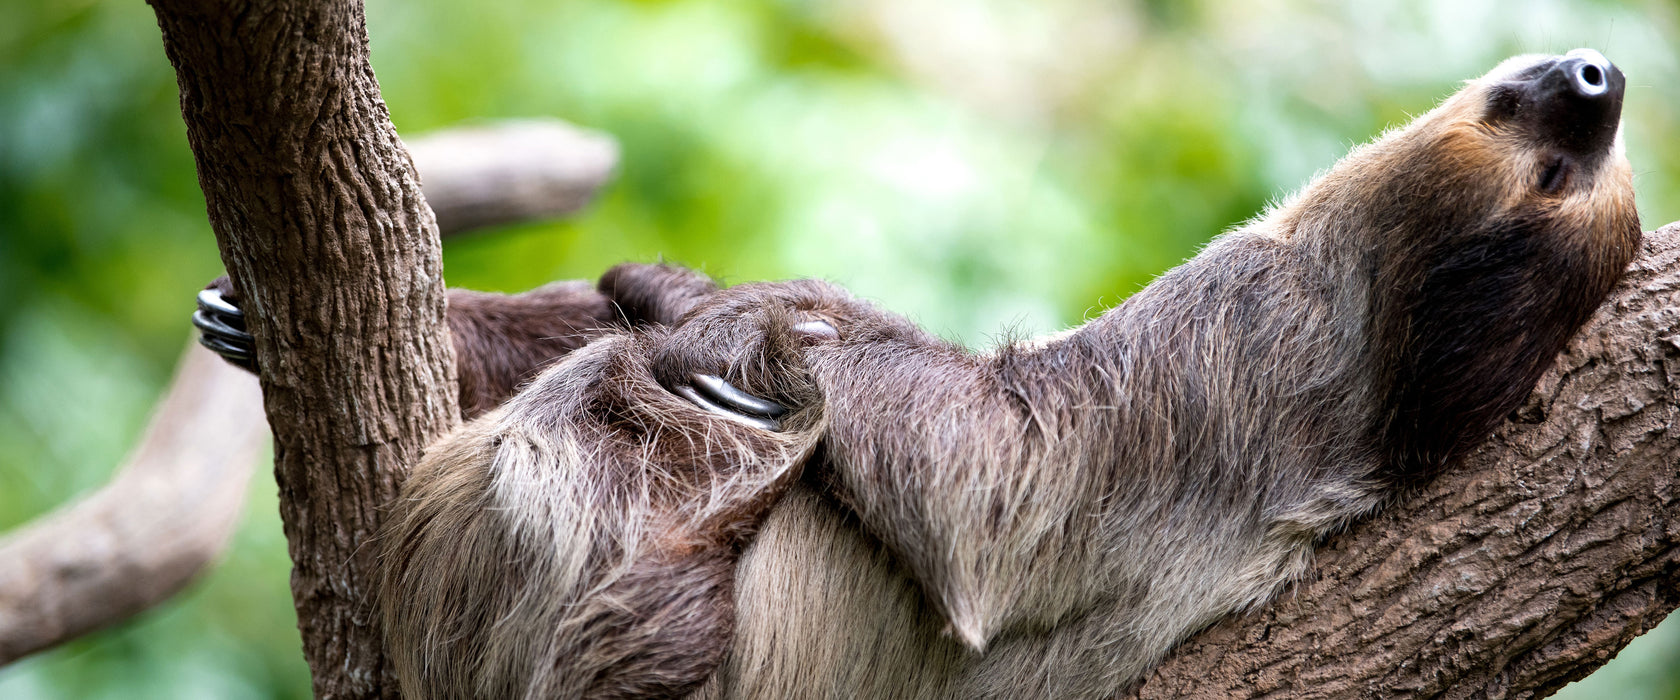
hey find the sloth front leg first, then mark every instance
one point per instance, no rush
(939, 455)
(502, 341)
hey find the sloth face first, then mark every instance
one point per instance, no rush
(1533, 148)
(1563, 112)
(1487, 231)
(1536, 136)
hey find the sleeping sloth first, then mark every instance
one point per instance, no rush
(776, 490)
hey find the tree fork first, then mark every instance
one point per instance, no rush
(320, 221)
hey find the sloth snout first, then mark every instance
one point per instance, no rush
(1573, 103)
(1582, 79)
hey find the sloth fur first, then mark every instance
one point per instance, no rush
(1043, 520)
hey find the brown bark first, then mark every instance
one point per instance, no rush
(1521, 570)
(143, 537)
(322, 227)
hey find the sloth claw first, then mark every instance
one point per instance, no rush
(715, 395)
(222, 329)
(216, 327)
(211, 300)
(816, 331)
(229, 351)
(725, 393)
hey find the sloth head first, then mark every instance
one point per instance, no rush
(1484, 233)
(1535, 143)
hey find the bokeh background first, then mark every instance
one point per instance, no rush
(988, 168)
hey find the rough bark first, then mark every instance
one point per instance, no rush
(1513, 574)
(323, 229)
(148, 532)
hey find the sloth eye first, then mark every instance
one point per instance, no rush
(1554, 175)
(1503, 101)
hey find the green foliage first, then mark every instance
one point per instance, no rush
(990, 168)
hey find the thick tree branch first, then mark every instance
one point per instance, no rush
(147, 533)
(1511, 575)
(323, 229)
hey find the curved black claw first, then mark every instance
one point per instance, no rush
(222, 329)
(714, 394)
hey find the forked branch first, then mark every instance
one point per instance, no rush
(167, 514)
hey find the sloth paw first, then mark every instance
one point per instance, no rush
(717, 395)
(221, 328)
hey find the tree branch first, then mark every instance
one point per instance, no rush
(1511, 575)
(511, 171)
(144, 536)
(324, 232)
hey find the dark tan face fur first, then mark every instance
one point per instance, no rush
(1045, 520)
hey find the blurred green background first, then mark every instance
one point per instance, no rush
(987, 168)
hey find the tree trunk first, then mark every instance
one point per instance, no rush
(1512, 574)
(322, 227)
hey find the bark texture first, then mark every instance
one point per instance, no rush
(142, 538)
(1523, 569)
(323, 229)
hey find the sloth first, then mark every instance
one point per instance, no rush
(777, 490)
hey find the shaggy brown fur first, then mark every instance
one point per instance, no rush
(503, 341)
(1046, 520)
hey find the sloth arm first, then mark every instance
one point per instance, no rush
(940, 455)
(956, 476)
(930, 466)
(501, 341)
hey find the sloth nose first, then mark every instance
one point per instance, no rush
(1588, 72)
(1575, 102)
